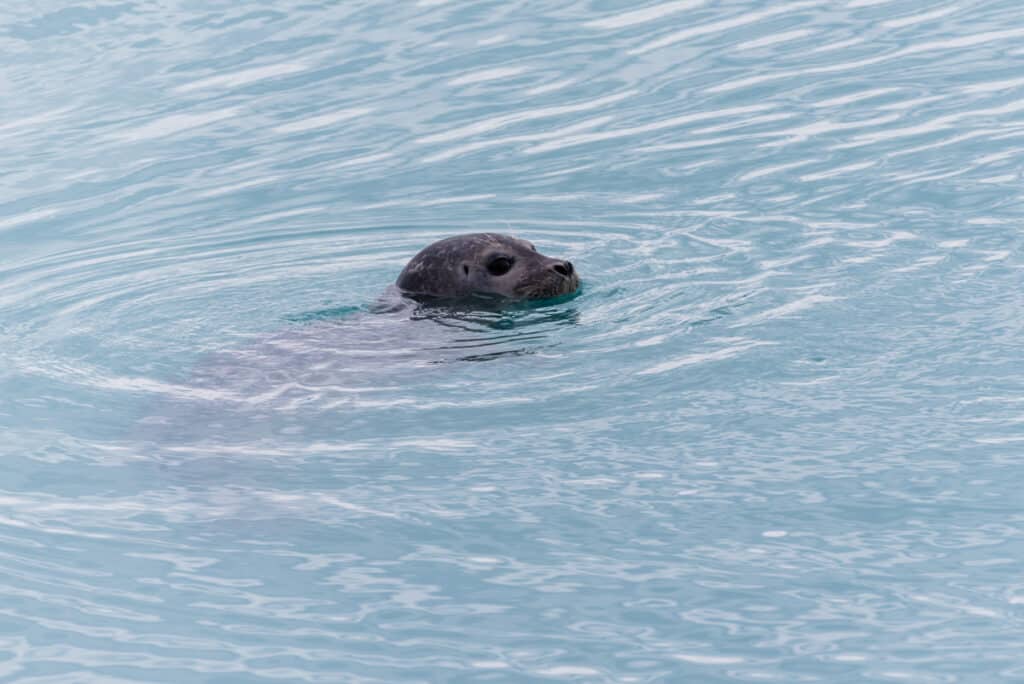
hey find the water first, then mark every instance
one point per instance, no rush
(777, 437)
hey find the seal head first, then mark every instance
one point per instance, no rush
(486, 265)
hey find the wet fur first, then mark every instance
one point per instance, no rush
(456, 268)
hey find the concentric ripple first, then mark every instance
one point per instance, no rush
(776, 436)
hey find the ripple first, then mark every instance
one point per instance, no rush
(586, 138)
(28, 217)
(645, 15)
(714, 27)
(487, 75)
(496, 123)
(321, 121)
(920, 17)
(176, 123)
(242, 78)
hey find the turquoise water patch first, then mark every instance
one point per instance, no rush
(326, 314)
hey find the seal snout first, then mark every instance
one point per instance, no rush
(563, 268)
(562, 279)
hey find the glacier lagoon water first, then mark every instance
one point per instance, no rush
(777, 437)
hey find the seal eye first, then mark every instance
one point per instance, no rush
(499, 266)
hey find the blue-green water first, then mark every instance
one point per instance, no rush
(779, 436)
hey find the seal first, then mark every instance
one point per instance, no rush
(297, 380)
(488, 265)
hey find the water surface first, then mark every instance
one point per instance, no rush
(777, 437)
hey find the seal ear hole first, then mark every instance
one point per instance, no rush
(465, 269)
(499, 266)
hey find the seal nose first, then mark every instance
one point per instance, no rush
(565, 268)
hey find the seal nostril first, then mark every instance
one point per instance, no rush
(565, 268)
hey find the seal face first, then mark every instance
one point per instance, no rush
(488, 265)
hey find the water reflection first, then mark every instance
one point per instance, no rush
(498, 333)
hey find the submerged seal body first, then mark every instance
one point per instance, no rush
(486, 265)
